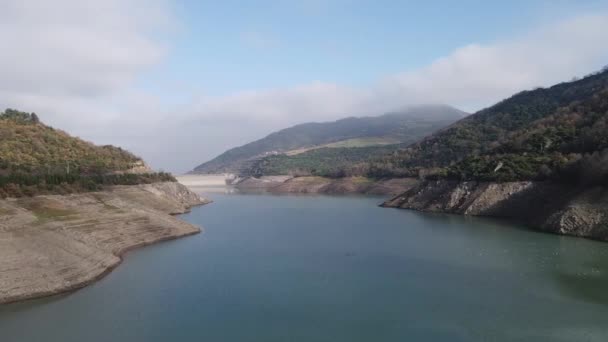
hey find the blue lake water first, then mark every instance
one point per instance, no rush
(318, 268)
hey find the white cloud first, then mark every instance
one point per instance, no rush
(73, 60)
(477, 75)
(75, 48)
(76, 62)
(315, 101)
(470, 77)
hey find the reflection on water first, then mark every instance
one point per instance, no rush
(208, 184)
(208, 191)
(320, 268)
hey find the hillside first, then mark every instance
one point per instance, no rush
(544, 133)
(36, 158)
(330, 162)
(539, 157)
(26, 145)
(405, 126)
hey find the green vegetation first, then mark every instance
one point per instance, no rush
(38, 159)
(517, 120)
(47, 210)
(325, 162)
(559, 133)
(20, 184)
(52, 214)
(567, 145)
(5, 212)
(400, 127)
(363, 142)
(26, 145)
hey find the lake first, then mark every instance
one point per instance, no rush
(320, 268)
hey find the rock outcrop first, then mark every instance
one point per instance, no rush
(52, 244)
(550, 207)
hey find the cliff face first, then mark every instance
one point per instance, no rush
(53, 244)
(545, 206)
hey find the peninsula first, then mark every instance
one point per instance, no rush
(69, 210)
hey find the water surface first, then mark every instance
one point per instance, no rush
(315, 268)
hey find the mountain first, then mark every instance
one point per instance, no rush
(404, 126)
(54, 244)
(26, 145)
(36, 158)
(539, 158)
(537, 134)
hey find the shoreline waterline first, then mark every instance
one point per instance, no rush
(337, 268)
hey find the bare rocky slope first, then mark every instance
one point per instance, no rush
(322, 185)
(57, 243)
(545, 206)
(539, 157)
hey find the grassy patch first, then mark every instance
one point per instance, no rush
(310, 179)
(6, 211)
(349, 143)
(47, 210)
(53, 214)
(363, 142)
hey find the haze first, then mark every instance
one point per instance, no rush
(178, 82)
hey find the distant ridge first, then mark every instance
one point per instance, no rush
(403, 126)
(560, 131)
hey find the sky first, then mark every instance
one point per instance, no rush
(179, 81)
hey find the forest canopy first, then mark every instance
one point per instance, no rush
(36, 158)
(558, 133)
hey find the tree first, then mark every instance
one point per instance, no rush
(19, 116)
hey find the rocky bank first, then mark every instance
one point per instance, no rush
(550, 207)
(321, 185)
(57, 243)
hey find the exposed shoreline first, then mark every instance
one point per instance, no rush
(562, 209)
(51, 245)
(543, 206)
(322, 185)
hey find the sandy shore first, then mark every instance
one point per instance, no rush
(53, 244)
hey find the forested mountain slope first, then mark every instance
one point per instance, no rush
(540, 158)
(36, 158)
(539, 134)
(27, 145)
(393, 128)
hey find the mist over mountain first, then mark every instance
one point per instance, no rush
(394, 128)
(536, 134)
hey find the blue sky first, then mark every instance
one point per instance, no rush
(222, 47)
(180, 81)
